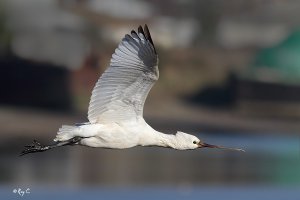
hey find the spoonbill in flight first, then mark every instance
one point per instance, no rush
(115, 111)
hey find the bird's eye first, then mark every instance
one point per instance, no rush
(194, 142)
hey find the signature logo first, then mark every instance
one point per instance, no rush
(21, 192)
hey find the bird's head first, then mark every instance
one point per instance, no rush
(186, 141)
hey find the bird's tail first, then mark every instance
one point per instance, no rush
(66, 132)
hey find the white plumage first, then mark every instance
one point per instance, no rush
(121, 91)
(116, 107)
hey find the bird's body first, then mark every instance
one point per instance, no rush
(122, 135)
(116, 107)
(110, 135)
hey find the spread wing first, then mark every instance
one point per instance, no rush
(121, 91)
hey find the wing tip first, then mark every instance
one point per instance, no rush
(148, 36)
(146, 33)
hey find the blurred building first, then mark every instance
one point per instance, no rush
(26, 83)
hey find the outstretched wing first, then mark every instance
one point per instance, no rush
(121, 91)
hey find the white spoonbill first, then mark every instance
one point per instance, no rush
(115, 111)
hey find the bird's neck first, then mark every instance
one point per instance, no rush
(160, 139)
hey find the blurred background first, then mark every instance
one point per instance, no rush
(229, 73)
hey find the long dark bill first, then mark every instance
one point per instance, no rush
(203, 145)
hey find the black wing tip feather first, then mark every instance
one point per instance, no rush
(146, 34)
(134, 33)
(140, 30)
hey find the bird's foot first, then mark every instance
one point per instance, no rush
(33, 148)
(37, 147)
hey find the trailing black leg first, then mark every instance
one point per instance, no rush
(37, 147)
